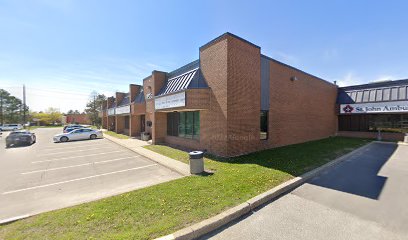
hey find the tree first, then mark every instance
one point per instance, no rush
(51, 116)
(94, 108)
(73, 112)
(11, 108)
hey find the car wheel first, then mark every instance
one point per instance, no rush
(64, 139)
(93, 136)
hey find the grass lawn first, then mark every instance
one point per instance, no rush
(164, 208)
(116, 135)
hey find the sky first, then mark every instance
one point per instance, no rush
(62, 50)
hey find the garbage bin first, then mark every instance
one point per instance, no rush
(406, 138)
(145, 136)
(196, 162)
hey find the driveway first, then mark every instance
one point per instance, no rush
(48, 176)
(364, 197)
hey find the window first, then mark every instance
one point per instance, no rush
(372, 95)
(184, 124)
(264, 125)
(378, 97)
(359, 96)
(394, 93)
(366, 96)
(386, 94)
(402, 93)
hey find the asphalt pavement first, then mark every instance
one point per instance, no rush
(364, 197)
(47, 175)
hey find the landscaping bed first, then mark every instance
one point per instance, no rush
(159, 210)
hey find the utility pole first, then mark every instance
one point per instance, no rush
(24, 105)
(1, 106)
(95, 114)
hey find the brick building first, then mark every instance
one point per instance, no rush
(233, 100)
(77, 119)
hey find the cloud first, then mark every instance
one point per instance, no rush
(330, 54)
(349, 79)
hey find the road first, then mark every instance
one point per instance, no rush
(364, 197)
(48, 176)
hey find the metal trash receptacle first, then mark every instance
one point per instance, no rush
(406, 138)
(196, 162)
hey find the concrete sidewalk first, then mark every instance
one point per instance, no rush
(137, 146)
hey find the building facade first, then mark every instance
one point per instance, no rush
(233, 100)
(365, 110)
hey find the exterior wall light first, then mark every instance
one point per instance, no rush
(294, 78)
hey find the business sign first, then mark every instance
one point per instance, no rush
(380, 107)
(111, 111)
(170, 101)
(123, 110)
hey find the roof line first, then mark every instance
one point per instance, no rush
(224, 35)
(297, 69)
(376, 84)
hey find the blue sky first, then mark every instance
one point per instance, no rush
(64, 49)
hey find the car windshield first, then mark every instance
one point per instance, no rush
(15, 133)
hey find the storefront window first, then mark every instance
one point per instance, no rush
(264, 125)
(184, 124)
(374, 122)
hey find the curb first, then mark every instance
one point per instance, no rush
(13, 219)
(199, 229)
(167, 162)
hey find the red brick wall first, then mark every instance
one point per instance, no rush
(78, 118)
(213, 122)
(244, 91)
(301, 110)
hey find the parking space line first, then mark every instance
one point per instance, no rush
(79, 165)
(89, 155)
(77, 179)
(79, 146)
(83, 150)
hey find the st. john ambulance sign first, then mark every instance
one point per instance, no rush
(170, 101)
(381, 107)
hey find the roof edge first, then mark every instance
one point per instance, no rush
(224, 35)
(297, 69)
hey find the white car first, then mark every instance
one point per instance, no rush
(11, 127)
(78, 134)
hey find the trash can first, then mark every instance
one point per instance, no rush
(406, 138)
(145, 136)
(196, 162)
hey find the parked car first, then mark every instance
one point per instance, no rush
(78, 134)
(11, 127)
(20, 137)
(70, 127)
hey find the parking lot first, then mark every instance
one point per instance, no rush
(48, 176)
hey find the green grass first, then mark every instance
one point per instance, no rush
(161, 209)
(116, 135)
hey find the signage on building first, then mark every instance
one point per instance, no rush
(111, 111)
(123, 110)
(170, 101)
(379, 107)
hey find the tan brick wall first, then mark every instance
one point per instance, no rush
(184, 143)
(301, 110)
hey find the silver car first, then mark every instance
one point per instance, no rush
(78, 134)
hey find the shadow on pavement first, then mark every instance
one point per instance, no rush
(359, 175)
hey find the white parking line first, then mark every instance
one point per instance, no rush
(77, 179)
(89, 155)
(72, 151)
(79, 146)
(79, 165)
